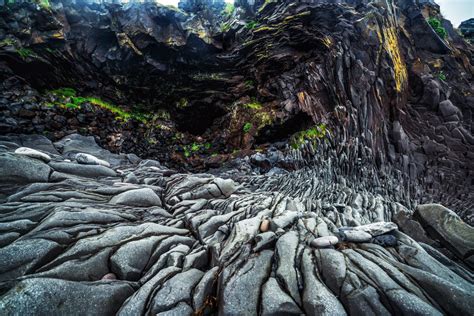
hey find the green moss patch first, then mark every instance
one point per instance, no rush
(312, 134)
(67, 98)
(439, 29)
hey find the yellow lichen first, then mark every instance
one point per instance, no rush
(389, 38)
(327, 41)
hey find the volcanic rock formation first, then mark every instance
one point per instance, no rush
(309, 157)
(138, 238)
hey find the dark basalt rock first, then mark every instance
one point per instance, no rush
(467, 29)
(377, 75)
(98, 239)
(329, 127)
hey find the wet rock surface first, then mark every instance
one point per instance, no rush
(185, 244)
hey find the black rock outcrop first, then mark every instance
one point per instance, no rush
(467, 29)
(320, 135)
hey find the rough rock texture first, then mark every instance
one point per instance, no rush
(319, 133)
(183, 244)
(376, 75)
(467, 29)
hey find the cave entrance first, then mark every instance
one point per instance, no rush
(198, 117)
(279, 132)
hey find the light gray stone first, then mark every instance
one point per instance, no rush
(44, 296)
(325, 241)
(355, 236)
(138, 197)
(33, 153)
(377, 228)
(276, 302)
(88, 171)
(177, 289)
(87, 159)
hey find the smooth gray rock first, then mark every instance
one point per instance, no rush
(177, 289)
(76, 143)
(377, 228)
(205, 288)
(332, 266)
(88, 171)
(43, 296)
(325, 241)
(317, 299)
(284, 220)
(182, 309)
(449, 228)
(87, 159)
(236, 296)
(286, 248)
(21, 169)
(275, 302)
(136, 304)
(138, 197)
(33, 153)
(355, 236)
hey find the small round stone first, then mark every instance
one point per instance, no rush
(265, 225)
(109, 276)
(325, 241)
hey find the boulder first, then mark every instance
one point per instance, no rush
(448, 227)
(448, 109)
(140, 197)
(76, 143)
(21, 169)
(325, 241)
(88, 159)
(33, 153)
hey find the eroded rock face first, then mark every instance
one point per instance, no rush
(375, 74)
(303, 226)
(199, 243)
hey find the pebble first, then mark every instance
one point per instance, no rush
(325, 241)
(109, 276)
(33, 153)
(265, 225)
(87, 159)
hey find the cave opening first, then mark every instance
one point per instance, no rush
(198, 117)
(279, 132)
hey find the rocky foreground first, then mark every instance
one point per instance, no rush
(84, 231)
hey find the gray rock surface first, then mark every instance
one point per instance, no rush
(137, 197)
(194, 243)
(88, 159)
(450, 229)
(21, 169)
(33, 153)
(89, 171)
